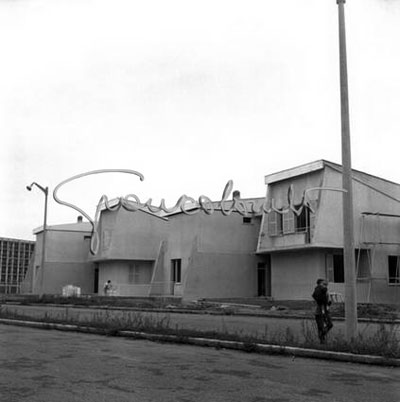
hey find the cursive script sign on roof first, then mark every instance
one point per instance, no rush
(185, 204)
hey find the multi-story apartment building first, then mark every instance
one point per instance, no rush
(15, 258)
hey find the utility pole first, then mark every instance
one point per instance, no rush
(350, 303)
(45, 191)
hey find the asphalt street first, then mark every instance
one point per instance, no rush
(44, 365)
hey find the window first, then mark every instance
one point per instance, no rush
(302, 220)
(274, 223)
(133, 274)
(363, 264)
(338, 268)
(335, 268)
(288, 222)
(394, 269)
(246, 219)
(106, 239)
(176, 270)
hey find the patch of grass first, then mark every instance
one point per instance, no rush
(382, 343)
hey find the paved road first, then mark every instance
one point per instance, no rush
(43, 366)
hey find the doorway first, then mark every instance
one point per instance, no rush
(96, 279)
(264, 278)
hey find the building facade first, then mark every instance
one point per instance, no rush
(15, 257)
(190, 256)
(276, 246)
(303, 233)
(66, 260)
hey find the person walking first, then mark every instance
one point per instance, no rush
(322, 314)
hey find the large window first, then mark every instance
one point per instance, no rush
(288, 222)
(303, 220)
(176, 268)
(394, 269)
(335, 266)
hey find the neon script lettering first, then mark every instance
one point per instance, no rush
(187, 205)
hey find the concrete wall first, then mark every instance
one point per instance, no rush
(218, 254)
(119, 274)
(221, 276)
(294, 274)
(368, 196)
(126, 235)
(66, 261)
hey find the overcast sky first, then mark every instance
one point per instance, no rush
(189, 93)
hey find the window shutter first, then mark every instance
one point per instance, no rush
(288, 222)
(312, 215)
(273, 223)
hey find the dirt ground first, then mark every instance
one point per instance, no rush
(258, 306)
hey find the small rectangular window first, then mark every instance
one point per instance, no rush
(394, 270)
(246, 219)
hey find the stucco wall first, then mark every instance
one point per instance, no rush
(58, 275)
(228, 234)
(66, 261)
(217, 252)
(221, 275)
(368, 196)
(130, 235)
(293, 274)
(123, 285)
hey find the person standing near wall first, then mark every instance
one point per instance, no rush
(322, 314)
(107, 288)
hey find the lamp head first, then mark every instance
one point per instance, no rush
(29, 188)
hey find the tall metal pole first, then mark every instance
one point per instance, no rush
(46, 193)
(348, 218)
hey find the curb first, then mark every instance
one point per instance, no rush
(242, 346)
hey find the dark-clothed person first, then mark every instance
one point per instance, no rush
(322, 314)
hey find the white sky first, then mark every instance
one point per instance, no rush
(189, 93)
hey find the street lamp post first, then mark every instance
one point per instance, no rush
(45, 190)
(348, 219)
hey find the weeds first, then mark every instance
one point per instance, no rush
(384, 342)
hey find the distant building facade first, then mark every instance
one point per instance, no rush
(15, 257)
